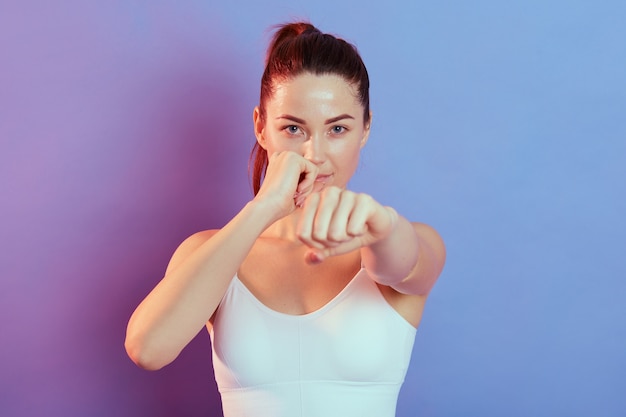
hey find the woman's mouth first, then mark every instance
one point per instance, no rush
(323, 179)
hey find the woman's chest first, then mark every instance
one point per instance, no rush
(355, 337)
(277, 275)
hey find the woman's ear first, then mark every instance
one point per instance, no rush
(259, 126)
(366, 131)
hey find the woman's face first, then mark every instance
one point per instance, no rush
(320, 118)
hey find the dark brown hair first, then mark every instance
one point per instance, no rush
(297, 48)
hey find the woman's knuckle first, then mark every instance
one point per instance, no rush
(336, 234)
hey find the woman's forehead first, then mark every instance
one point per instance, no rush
(309, 89)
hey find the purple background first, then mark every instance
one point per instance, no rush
(125, 126)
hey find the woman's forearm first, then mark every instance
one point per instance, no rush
(409, 260)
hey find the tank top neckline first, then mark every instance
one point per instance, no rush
(327, 306)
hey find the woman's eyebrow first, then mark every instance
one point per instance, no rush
(292, 118)
(302, 121)
(340, 117)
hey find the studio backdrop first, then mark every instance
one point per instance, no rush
(126, 126)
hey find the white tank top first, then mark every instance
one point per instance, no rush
(349, 358)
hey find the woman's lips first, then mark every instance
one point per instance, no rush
(321, 181)
(323, 178)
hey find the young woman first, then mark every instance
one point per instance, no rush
(312, 293)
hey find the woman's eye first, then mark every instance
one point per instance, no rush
(292, 129)
(338, 129)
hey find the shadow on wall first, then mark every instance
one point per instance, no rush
(191, 186)
(185, 171)
(122, 133)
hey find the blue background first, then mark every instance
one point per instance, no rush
(125, 126)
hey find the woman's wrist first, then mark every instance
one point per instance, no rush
(266, 211)
(393, 219)
(395, 256)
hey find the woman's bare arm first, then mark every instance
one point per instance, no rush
(204, 265)
(409, 259)
(195, 281)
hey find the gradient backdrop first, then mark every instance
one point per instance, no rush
(125, 126)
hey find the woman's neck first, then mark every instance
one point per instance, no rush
(284, 228)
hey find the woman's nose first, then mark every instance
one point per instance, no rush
(314, 150)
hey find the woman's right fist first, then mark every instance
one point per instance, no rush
(288, 180)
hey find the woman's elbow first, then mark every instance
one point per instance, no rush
(145, 356)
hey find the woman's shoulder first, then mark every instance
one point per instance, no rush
(196, 240)
(189, 245)
(201, 236)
